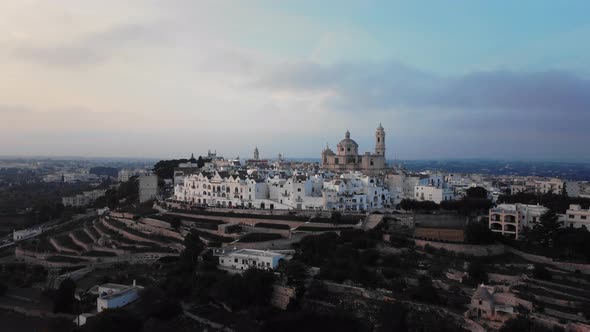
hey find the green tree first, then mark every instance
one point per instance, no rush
(540, 272)
(425, 292)
(193, 247)
(546, 230)
(64, 298)
(478, 233)
(155, 303)
(393, 318)
(175, 223)
(477, 272)
(295, 271)
(114, 320)
(477, 193)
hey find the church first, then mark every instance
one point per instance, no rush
(348, 159)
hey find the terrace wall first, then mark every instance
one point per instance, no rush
(254, 221)
(143, 227)
(130, 236)
(467, 249)
(284, 232)
(61, 248)
(90, 234)
(87, 247)
(583, 268)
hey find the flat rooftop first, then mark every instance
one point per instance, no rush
(254, 252)
(114, 286)
(120, 293)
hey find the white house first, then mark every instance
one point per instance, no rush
(577, 217)
(436, 194)
(510, 219)
(26, 234)
(244, 259)
(115, 296)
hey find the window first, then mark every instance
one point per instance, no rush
(299, 189)
(267, 264)
(571, 216)
(235, 260)
(348, 149)
(583, 217)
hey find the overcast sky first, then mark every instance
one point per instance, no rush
(447, 79)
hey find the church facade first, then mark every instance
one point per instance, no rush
(346, 158)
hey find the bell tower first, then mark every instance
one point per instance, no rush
(256, 154)
(380, 141)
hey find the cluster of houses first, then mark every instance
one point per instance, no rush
(84, 199)
(347, 192)
(510, 219)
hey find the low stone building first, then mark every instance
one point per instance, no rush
(488, 304)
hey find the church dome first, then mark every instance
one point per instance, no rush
(347, 141)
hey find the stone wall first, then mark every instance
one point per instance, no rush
(121, 215)
(59, 247)
(284, 232)
(279, 244)
(583, 268)
(92, 236)
(129, 235)
(502, 278)
(87, 247)
(156, 223)
(467, 249)
(281, 296)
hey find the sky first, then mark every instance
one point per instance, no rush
(163, 79)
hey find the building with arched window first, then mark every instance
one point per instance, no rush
(346, 158)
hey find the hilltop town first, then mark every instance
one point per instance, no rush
(352, 243)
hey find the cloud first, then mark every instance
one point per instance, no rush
(530, 102)
(387, 85)
(93, 48)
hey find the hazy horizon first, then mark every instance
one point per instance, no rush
(475, 80)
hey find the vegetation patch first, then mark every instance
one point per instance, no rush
(66, 241)
(271, 225)
(260, 237)
(214, 237)
(100, 253)
(66, 259)
(82, 236)
(306, 228)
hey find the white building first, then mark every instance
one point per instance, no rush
(81, 319)
(115, 296)
(244, 259)
(577, 217)
(538, 185)
(84, 199)
(353, 191)
(26, 234)
(510, 219)
(545, 186)
(433, 193)
(148, 187)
